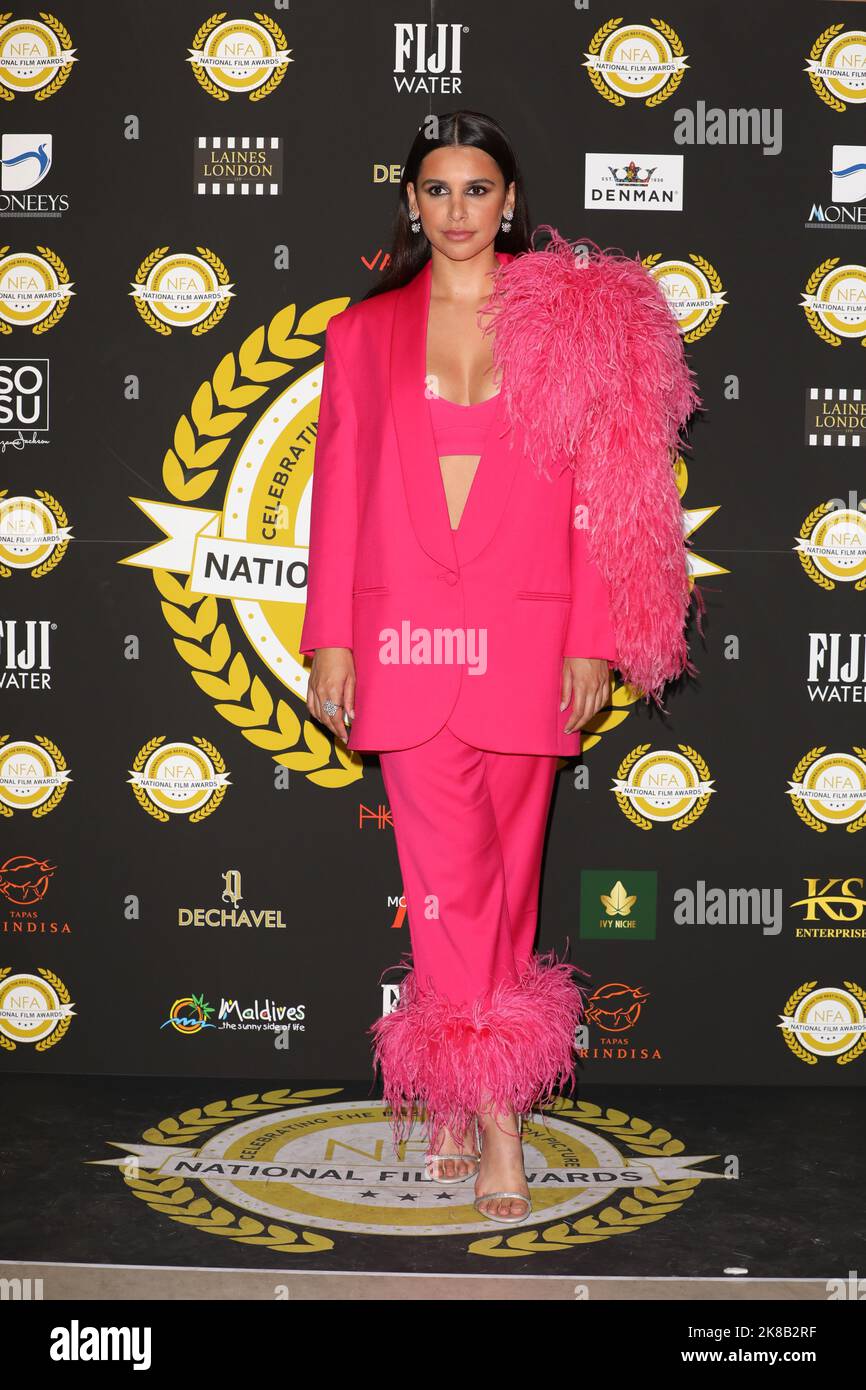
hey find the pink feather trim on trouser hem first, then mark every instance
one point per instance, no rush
(448, 1058)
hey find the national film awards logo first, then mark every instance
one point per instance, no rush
(837, 66)
(239, 57)
(34, 534)
(831, 546)
(834, 302)
(33, 776)
(34, 289)
(693, 290)
(231, 575)
(829, 789)
(35, 1008)
(36, 56)
(292, 1172)
(179, 779)
(180, 290)
(662, 786)
(826, 1023)
(635, 62)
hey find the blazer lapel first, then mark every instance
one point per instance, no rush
(422, 477)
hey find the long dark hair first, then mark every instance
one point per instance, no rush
(410, 250)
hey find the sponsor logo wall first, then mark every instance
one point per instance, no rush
(195, 879)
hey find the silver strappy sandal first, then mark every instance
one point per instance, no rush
(431, 1159)
(514, 1196)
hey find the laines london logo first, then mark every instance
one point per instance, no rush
(837, 67)
(176, 289)
(663, 786)
(35, 1008)
(693, 290)
(825, 1023)
(239, 57)
(34, 534)
(179, 779)
(292, 1172)
(636, 62)
(831, 546)
(231, 575)
(36, 56)
(829, 789)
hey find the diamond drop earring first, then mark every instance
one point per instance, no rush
(506, 221)
(415, 222)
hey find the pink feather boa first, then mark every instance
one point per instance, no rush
(593, 372)
(447, 1057)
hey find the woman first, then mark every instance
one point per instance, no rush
(478, 607)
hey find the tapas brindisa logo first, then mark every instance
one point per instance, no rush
(34, 1008)
(831, 546)
(830, 789)
(33, 776)
(239, 57)
(232, 576)
(34, 534)
(693, 290)
(837, 66)
(290, 1172)
(662, 786)
(179, 290)
(36, 56)
(834, 301)
(822, 1022)
(179, 779)
(635, 62)
(34, 289)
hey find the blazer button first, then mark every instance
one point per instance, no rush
(450, 577)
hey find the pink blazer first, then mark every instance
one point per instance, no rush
(467, 627)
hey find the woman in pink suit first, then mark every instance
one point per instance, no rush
(465, 612)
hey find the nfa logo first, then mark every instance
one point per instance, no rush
(837, 66)
(34, 289)
(33, 776)
(294, 1172)
(232, 575)
(833, 301)
(34, 1008)
(825, 1023)
(35, 57)
(661, 786)
(830, 789)
(179, 779)
(180, 290)
(831, 546)
(635, 62)
(693, 290)
(239, 57)
(34, 534)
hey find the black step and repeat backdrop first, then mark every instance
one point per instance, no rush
(194, 880)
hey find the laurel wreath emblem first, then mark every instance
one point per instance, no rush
(63, 73)
(59, 550)
(62, 1025)
(639, 1207)
(793, 1041)
(822, 580)
(220, 305)
(714, 280)
(682, 822)
(257, 94)
(616, 98)
(59, 792)
(815, 323)
(816, 80)
(63, 277)
(144, 801)
(799, 804)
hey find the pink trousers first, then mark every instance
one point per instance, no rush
(481, 1017)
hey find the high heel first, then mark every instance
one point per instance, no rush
(490, 1196)
(431, 1159)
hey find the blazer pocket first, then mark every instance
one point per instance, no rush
(544, 595)
(372, 589)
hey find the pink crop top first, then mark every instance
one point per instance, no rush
(460, 429)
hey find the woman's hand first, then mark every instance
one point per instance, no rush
(332, 677)
(587, 679)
